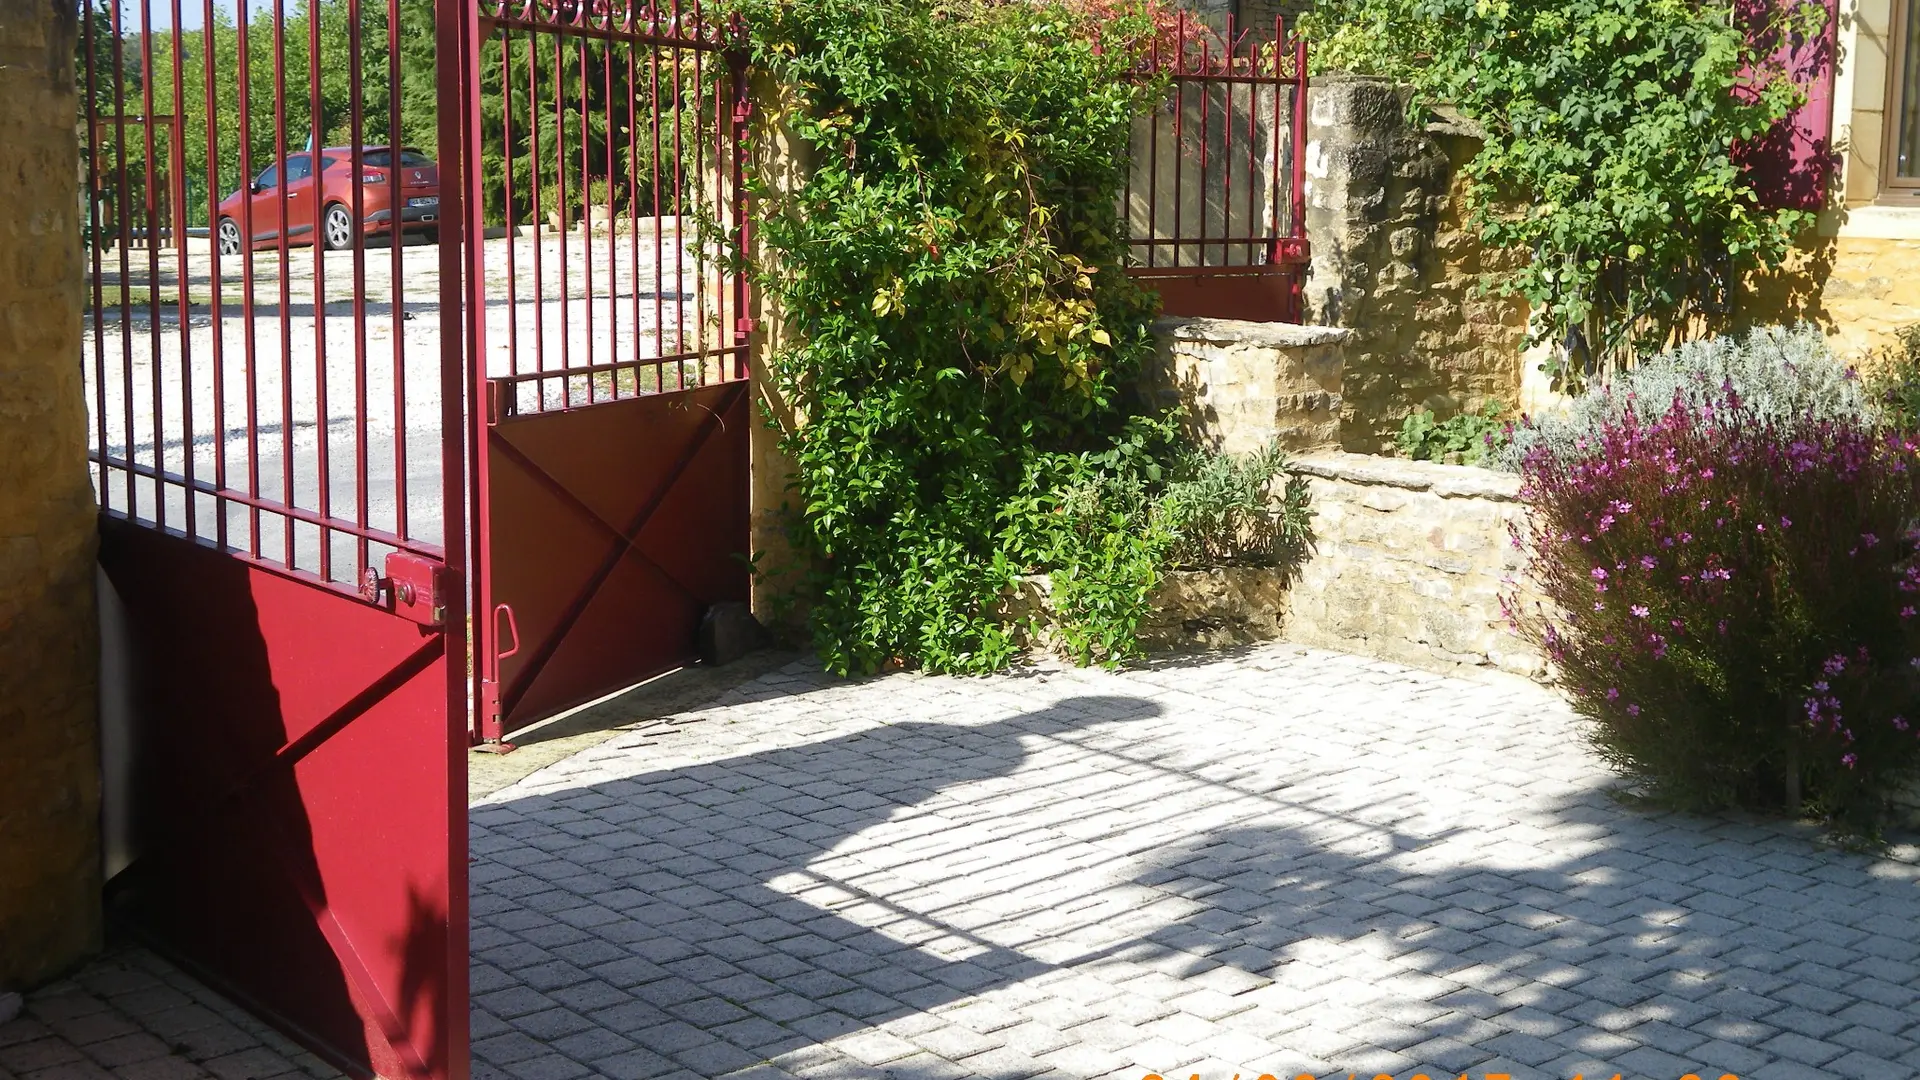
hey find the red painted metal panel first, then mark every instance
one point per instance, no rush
(612, 530)
(1794, 165)
(300, 803)
(1254, 297)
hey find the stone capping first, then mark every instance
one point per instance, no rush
(1273, 335)
(1446, 481)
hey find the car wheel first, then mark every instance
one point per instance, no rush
(338, 228)
(229, 238)
(431, 236)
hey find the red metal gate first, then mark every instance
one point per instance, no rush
(279, 458)
(1215, 202)
(610, 451)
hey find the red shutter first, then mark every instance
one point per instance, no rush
(1792, 166)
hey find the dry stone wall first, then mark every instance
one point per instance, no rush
(49, 775)
(1410, 560)
(1241, 385)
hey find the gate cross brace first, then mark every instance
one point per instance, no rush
(625, 542)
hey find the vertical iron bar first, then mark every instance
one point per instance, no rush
(211, 93)
(177, 225)
(397, 309)
(659, 313)
(586, 210)
(1297, 209)
(613, 233)
(507, 156)
(252, 345)
(120, 204)
(680, 211)
(93, 250)
(316, 163)
(632, 100)
(357, 161)
(1206, 105)
(539, 242)
(285, 223)
(156, 358)
(1153, 166)
(560, 178)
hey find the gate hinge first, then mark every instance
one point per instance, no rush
(414, 588)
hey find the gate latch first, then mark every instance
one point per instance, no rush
(413, 588)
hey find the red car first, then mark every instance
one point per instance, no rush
(325, 208)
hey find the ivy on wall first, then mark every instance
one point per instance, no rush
(1614, 130)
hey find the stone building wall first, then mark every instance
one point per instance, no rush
(1859, 290)
(1395, 261)
(49, 774)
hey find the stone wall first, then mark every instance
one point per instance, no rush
(1859, 290)
(1409, 563)
(49, 774)
(1395, 261)
(1242, 385)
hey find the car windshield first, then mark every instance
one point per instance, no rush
(409, 159)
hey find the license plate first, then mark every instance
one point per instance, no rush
(425, 200)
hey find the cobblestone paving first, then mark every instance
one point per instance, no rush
(1273, 862)
(131, 1016)
(1281, 861)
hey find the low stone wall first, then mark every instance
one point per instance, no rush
(1409, 562)
(1241, 385)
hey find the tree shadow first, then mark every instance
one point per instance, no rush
(706, 917)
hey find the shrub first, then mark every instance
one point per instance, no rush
(1731, 596)
(1202, 509)
(959, 332)
(1614, 136)
(1780, 374)
(1895, 384)
(1474, 436)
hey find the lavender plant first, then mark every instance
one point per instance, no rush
(1780, 373)
(1730, 595)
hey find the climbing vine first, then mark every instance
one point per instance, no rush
(949, 272)
(1615, 131)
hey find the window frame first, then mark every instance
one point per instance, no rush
(1894, 188)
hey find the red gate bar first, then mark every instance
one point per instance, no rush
(1208, 248)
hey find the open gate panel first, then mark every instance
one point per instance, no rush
(611, 476)
(275, 365)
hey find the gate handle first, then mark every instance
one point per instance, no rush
(502, 609)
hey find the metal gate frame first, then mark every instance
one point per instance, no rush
(293, 829)
(610, 490)
(1253, 264)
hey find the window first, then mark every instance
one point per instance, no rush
(1900, 171)
(409, 158)
(299, 167)
(268, 179)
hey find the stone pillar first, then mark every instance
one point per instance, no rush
(781, 164)
(1396, 259)
(49, 653)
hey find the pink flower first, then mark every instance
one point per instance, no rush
(1599, 573)
(1633, 710)
(1613, 693)
(1848, 760)
(1639, 611)
(1648, 562)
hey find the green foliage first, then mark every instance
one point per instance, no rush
(1121, 522)
(1474, 436)
(1613, 129)
(950, 271)
(1895, 380)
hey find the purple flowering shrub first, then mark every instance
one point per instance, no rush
(1732, 599)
